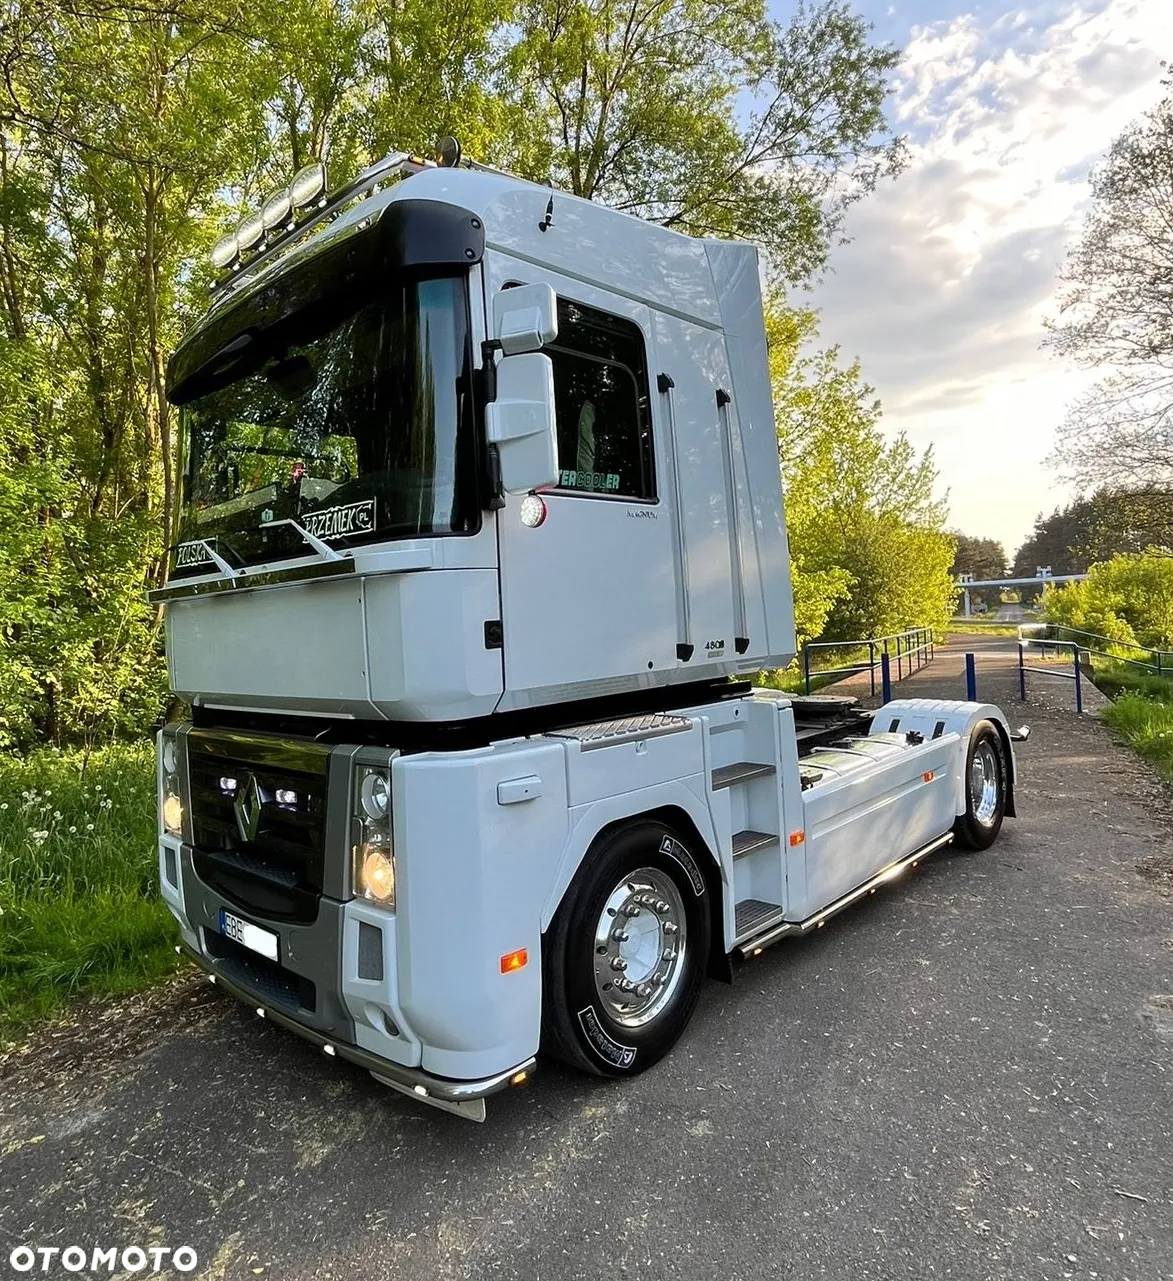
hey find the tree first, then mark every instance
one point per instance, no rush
(707, 116)
(1128, 599)
(869, 554)
(1097, 527)
(980, 558)
(134, 132)
(1115, 314)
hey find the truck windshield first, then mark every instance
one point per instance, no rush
(356, 424)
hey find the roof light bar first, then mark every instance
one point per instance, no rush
(249, 230)
(277, 209)
(308, 183)
(224, 251)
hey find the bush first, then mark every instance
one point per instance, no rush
(1129, 599)
(79, 905)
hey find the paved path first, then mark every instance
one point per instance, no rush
(970, 1076)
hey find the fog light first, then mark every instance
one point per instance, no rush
(173, 814)
(377, 878)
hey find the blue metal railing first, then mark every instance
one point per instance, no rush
(1158, 661)
(909, 650)
(1074, 675)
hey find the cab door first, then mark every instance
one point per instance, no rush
(588, 594)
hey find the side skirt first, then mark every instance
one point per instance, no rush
(792, 929)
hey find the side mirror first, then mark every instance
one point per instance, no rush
(520, 422)
(525, 318)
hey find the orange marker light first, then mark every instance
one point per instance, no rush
(797, 838)
(928, 776)
(514, 960)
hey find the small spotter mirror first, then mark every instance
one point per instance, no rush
(525, 318)
(448, 152)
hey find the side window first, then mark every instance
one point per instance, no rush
(601, 402)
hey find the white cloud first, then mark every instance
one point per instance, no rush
(943, 290)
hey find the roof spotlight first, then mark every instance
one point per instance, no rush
(308, 183)
(276, 208)
(224, 251)
(249, 230)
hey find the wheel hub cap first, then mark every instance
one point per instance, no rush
(984, 784)
(640, 942)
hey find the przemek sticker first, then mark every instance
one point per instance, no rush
(340, 522)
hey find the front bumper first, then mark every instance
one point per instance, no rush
(411, 1080)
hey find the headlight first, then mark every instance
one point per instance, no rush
(373, 866)
(375, 795)
(170, 795)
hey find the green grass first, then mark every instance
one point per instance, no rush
(1141, 712)
(974, 627)
(1116, 679)
(791, 680)
(80, 913)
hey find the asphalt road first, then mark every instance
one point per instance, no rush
(969, 1076)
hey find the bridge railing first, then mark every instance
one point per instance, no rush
(908, 651)
(1042, 635)
(1024, 642)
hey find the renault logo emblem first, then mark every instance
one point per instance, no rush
(247, 803)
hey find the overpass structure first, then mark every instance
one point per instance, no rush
(967, 584)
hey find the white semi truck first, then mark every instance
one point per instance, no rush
(482, 532)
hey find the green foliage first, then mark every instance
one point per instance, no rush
(981, 557)
(1117, 678)
(131, 135)
(1097, 527)
(1145, 723)
(79, 910)
(1128, 599)
(709, 116)
(868, 548)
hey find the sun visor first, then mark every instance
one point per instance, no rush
(410, 238)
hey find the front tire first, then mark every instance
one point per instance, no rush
(987, 777)
(627, 952)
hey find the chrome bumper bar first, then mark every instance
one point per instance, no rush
(412, 1080)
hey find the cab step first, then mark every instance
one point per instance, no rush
(756, 930)
(741, 772)
(746, 842)
(752, 916)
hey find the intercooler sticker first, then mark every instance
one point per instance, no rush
(340, 522)
(673, 848)
(620, 1055)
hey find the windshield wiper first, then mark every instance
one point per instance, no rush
(221, 564)
(323, 549)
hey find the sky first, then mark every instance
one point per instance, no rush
(950, 270)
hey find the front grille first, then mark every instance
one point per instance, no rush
(276, 985)
(258, 818)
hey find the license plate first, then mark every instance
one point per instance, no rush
(247, 935)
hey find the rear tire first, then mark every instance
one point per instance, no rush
(987, 777)
(625, 957)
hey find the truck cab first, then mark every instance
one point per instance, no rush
(482, 533)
